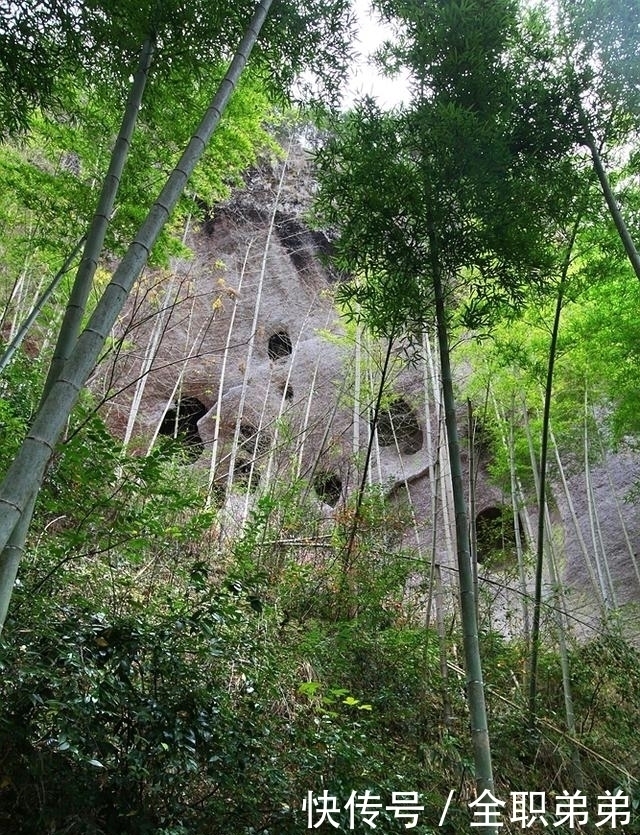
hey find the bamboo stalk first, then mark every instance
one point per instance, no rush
(473, 666)
(435, 591)
(24, 477)
(357, 362)
(604, 578)
(597, 587)
(517, 501)
(348, 553)
(178, 385)
(544, 443)
(429, 408)
(405, 482)
(175, 397)
(447, 713)
(26, 326)
(13, 544)
(17, 296)
(83, 283)
(256, 447)
(273, 444)
(442, 456)
(623, 526)
(559, 610)
(473, 543)
(151, 351)
(254, 325)
(223, 372)
(612, 204)
(372, 423)
(307, 413)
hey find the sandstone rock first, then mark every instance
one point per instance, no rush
(246, 334)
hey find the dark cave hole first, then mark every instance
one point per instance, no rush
(328, 486)
(279, 345)
(495, 535)
(181, 422)
(398, 421)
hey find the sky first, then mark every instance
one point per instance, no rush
(365, 79)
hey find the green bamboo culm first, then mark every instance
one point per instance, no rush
(472, 657)
(24, 477)
(76, 306)
(83, 283)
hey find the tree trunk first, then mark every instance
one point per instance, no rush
(560, 616)
(213, 461)
(83, 283)
(508, 444)
(614, 208)
(77, 303)
(599, 553)
(367, 460)
(25, 327)
(542, 485)
(473, 535)
(25, 475)
(473, 666)
(597, 587)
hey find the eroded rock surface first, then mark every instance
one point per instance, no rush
(240, 351)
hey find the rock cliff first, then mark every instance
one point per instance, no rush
(239, 352)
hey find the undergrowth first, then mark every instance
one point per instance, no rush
(158, 679)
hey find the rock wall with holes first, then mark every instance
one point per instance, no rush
(238, 353)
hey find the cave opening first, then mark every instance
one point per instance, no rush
(495, 535)
(180, 422)
(398, 422)
(328, 487)
(279, 345)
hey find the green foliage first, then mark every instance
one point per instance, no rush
(165, 682)
(143, 714)
(601, 336)
(18, 400)
(597, 355)
(461, 179)
(71, 97)
(54, 187)
(600, 40)
(37, 43)
(158, 678)
(440, 204)
(44, 46)
(42, 209)
(363, 164)
(120, 745)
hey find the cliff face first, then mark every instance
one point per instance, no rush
(245, 336)
(240, 352)
(232, 340)
(601, 537)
